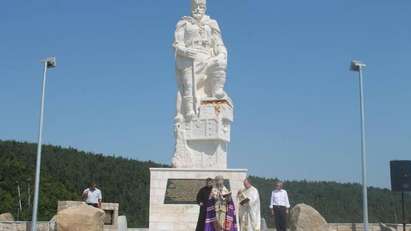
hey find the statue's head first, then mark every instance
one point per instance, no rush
(198, 8)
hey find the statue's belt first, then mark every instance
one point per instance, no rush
(199, 44)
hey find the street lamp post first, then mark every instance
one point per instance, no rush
(49, 62)
(358, 66)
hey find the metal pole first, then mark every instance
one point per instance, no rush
(403, 211)
(363, 153)
(38, 164)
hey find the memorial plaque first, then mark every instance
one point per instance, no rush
(184, 191)
(108, 218)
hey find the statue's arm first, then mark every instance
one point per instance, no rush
(178, 43)
(219, 46)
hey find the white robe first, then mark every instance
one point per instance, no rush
(249, 213)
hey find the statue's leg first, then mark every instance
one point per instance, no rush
(179, 114)
(219, 84)
(187, 91)
(217, 73)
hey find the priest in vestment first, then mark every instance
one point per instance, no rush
(221, 214)
(249, 208)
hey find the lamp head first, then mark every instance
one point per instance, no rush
(51, 62)
(357, 65)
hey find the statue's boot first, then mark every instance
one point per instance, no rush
(220, 93)
(190, 115)
(179, 118)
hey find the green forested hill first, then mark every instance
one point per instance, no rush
(67, 171)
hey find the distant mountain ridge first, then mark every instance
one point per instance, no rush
(67, 171)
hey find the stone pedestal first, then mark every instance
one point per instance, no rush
(202, 141)
(171, 192)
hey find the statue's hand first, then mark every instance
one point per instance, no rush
(218, 61)
(222, 57)
(190, 53)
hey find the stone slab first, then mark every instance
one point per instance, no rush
(184, 191)
(182, 217)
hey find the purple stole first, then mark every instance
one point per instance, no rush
(230, 223)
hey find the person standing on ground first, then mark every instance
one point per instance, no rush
(279, 206)
(249, 207)
(92, 196)
(221, 214)
(202, 198)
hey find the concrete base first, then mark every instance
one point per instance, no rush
(183, 217)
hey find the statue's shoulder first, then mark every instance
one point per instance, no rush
(182, 22)
(213, 24)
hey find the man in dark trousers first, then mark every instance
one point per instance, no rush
(202, 198)
(279, 206)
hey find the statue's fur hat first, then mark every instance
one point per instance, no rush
(198, 2)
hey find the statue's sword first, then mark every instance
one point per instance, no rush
(195, 103)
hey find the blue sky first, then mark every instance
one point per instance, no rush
(296, 103)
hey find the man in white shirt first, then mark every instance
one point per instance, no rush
(92, 196)
(279, 206)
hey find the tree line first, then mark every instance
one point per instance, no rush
(67, 171)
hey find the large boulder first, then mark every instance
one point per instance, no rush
(6, 217)
(80, 218)
(306, 218)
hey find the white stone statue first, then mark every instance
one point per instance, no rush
(204, 110)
